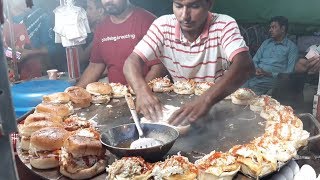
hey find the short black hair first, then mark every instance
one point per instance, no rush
(98, 3)
(283, 21)
(83, 3)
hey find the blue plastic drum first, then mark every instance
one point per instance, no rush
(27, 95)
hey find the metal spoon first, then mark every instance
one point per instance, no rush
(142, 142)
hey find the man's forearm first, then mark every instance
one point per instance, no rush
(157, 70)
(91, 74)
(133, 72)
(240, 71)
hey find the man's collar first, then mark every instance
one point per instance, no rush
(284, 40)
(203, 35)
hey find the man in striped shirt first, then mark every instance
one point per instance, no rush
(192, 44)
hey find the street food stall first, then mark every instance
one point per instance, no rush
(80, 133)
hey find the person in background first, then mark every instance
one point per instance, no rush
(275, 58)
(34, 40)
(114, 40)
(95, 14)
(192, 43)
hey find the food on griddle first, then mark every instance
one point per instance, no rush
(101, 92)
(253, 161)
(242, 96)
(82, 157)
(175, 168)
(27, 130)
(119, 90)
(288, 132)
(129, 168)
(87, 132)
(75, 122)
(184, 87)
(281, 150)
(202, 87)
(217, 165)
(162, 84)
(45, 145)
(34, 117)
(257, 104)
(80, 98)
(56, 98)
(62, 110)
(285, 117)
(271, 110)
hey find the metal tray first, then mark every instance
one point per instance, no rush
(225, 125)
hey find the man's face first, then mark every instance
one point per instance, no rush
(276, 30)
(191, 14)
(114, 7)
(92, 12)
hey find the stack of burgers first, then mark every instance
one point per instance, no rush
(54, 137)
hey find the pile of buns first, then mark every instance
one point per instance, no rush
(54, 137)
(283, 136)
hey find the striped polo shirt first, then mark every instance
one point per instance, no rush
(205, 59)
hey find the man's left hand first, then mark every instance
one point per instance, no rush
(190, 112)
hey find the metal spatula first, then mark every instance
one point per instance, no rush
(142, 142)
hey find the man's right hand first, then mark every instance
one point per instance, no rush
(149, 105)
(259, 72)
(313, 65)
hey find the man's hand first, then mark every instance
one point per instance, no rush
(260, 72)
(313, 65)
(149, 105)
(190, 112)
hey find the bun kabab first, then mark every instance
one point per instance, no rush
(119, 90)
(162, 84)
(253, 162)
(258, 103)
(80, 98)
(202, 87)
(217, 165)
(175, 168)
(129, 168)
(45, 146)
(27, 130)
(75, 122)
(34, 117)
(82, 157)
(184, 87)
(56, 98)
(62, 110)
(100, 92)
(242, 96)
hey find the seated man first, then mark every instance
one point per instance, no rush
(275, 58)
(114, 40)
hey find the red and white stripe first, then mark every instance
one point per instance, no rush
(205, 59)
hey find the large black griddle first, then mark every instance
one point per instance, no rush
(225, 126)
